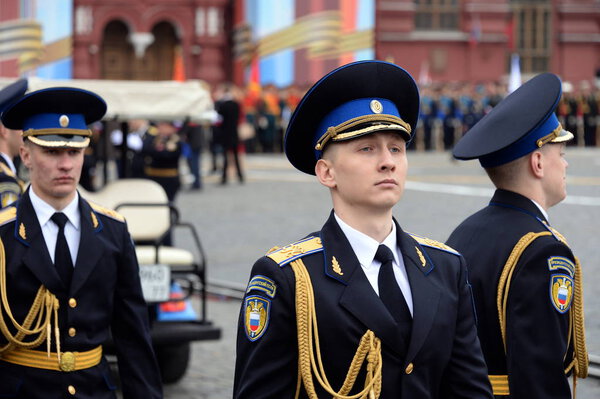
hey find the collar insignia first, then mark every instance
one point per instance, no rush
(421, 257)
(22, 231)
(336, 266)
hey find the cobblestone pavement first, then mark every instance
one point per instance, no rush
(277, 205)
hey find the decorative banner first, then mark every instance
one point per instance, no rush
(20, 38)
(321, 34)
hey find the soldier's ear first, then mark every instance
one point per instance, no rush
(536, 164)
(325, 172)
(3, 131)
(25, 154)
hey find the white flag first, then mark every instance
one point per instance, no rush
(514, 80)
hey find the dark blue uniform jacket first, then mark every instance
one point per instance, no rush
(107, 290)
(538, 348)
(441, 360)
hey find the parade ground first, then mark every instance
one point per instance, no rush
(277, 205)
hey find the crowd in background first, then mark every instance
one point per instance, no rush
(254, 119)
(447, 111)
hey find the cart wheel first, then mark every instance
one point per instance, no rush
(173, 361)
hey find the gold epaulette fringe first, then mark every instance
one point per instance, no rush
(8, 215)
(285, 255)
(107, 212)
(428, 242)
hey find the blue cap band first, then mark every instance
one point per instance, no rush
(524, 146)
(52, 121)
(350, 110)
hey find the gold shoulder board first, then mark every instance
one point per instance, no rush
(8, 215)
(291, 252)
(107, 212)
(428, 242)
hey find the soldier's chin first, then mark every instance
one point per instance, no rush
(63, 190)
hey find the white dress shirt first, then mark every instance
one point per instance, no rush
(44, 212)
(365, 247)
(541, 210)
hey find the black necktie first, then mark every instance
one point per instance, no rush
(389, 291)
(62, 255)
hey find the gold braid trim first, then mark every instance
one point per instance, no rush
(306, 321)
(577, 321)
(59, 131)
(336, 133)
(44, 307)
(576, 316)
(506, 277)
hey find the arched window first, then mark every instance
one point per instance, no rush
(116, 53)
(154, 62)
(161, 52)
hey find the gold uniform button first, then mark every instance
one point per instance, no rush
(72, 302)
(71, 390)
(72, 332)
(409, 368)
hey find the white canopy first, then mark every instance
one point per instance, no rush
(134, 99)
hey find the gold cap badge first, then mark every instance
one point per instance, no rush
(63, 120)
(376, 107)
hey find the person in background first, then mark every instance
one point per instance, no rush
(137, 129)
(228, 108)
(359, 308)
(90, 159)
(589, 110)
(161, 152)
(193, 134)
(527, 282)
(69, 273)
(11, 186)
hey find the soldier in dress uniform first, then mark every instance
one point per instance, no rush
(11, 186)
(161, 151)
(69, 276)
(359, 307)
(526, 280)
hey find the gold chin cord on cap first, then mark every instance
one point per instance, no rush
(344, 130)
(45, 132)
(549, 137)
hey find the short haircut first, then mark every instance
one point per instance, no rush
(508, 174)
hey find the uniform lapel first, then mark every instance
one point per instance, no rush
(425, 293)
(90, 250)
(358, 297)
(37, 257)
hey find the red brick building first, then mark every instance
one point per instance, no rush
(471, 40)
(152, 39)
(447, 40)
